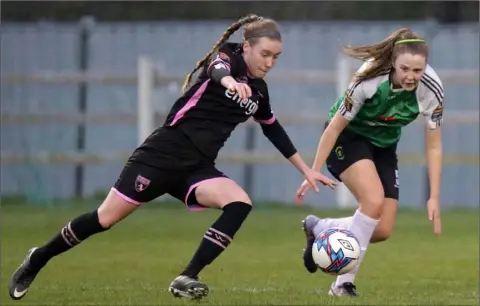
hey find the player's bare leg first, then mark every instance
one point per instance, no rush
(384, 229)
(313, 225)
(363, 181)
(344, 284)
(221, 193)
(113, 209)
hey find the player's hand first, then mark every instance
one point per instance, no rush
(244, 91)
(311, 179)
(302, 191)
(433, 209)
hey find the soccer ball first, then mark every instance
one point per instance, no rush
(336, 251)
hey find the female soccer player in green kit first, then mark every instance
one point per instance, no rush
(359, 143)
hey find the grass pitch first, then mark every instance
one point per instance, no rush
(133, 263)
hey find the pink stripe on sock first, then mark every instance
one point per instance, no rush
(214, 241)
(191, 102)
(64, 237)
(221, 234)
(131, 201)
(71, 232)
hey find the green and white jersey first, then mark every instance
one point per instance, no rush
(378, 112)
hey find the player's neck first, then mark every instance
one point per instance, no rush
(249, 74)
(394, 85)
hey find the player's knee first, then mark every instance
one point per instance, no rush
(381, 234)
(243, 198)
(106, 221)
(384, 229)
(108, 218)
(83, 227)
(233, 194)
(113, 210)
(238, 208)
(221, 192)
(236, 213)
(372, 204)
(224, 197)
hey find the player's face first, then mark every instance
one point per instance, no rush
(409, 69)
(261, 56)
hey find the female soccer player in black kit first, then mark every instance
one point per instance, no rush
(179, 157)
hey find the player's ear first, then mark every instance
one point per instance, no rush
(393, 63)
(246, 46)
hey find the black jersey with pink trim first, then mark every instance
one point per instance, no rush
(208, 113)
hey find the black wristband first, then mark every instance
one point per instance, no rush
(279, 138)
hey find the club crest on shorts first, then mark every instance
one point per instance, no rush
(141, 183)
(339, 152)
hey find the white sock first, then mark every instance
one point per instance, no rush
(324, 224)
(362, 226)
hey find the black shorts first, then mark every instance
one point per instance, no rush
(351, 147)
(175, 168)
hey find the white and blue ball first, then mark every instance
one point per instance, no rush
(336, 251)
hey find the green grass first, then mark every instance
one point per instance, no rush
(133, 263)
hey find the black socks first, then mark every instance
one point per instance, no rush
(71, 234)
(218, 237)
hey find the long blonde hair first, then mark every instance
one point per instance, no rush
(383, 54)
(255, 27)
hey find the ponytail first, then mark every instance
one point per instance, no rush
(226, 35)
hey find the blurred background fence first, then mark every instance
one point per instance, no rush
(71, 94)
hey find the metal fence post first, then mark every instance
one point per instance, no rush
(85, 26)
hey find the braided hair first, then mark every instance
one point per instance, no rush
(226, 35)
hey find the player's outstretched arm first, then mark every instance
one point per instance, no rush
(350, 105)
(328, 139)
(311, 176)
(433, 114)
(325, 146)
(277, 135)
(434, 156)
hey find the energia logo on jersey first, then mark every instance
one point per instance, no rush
(249, 105)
